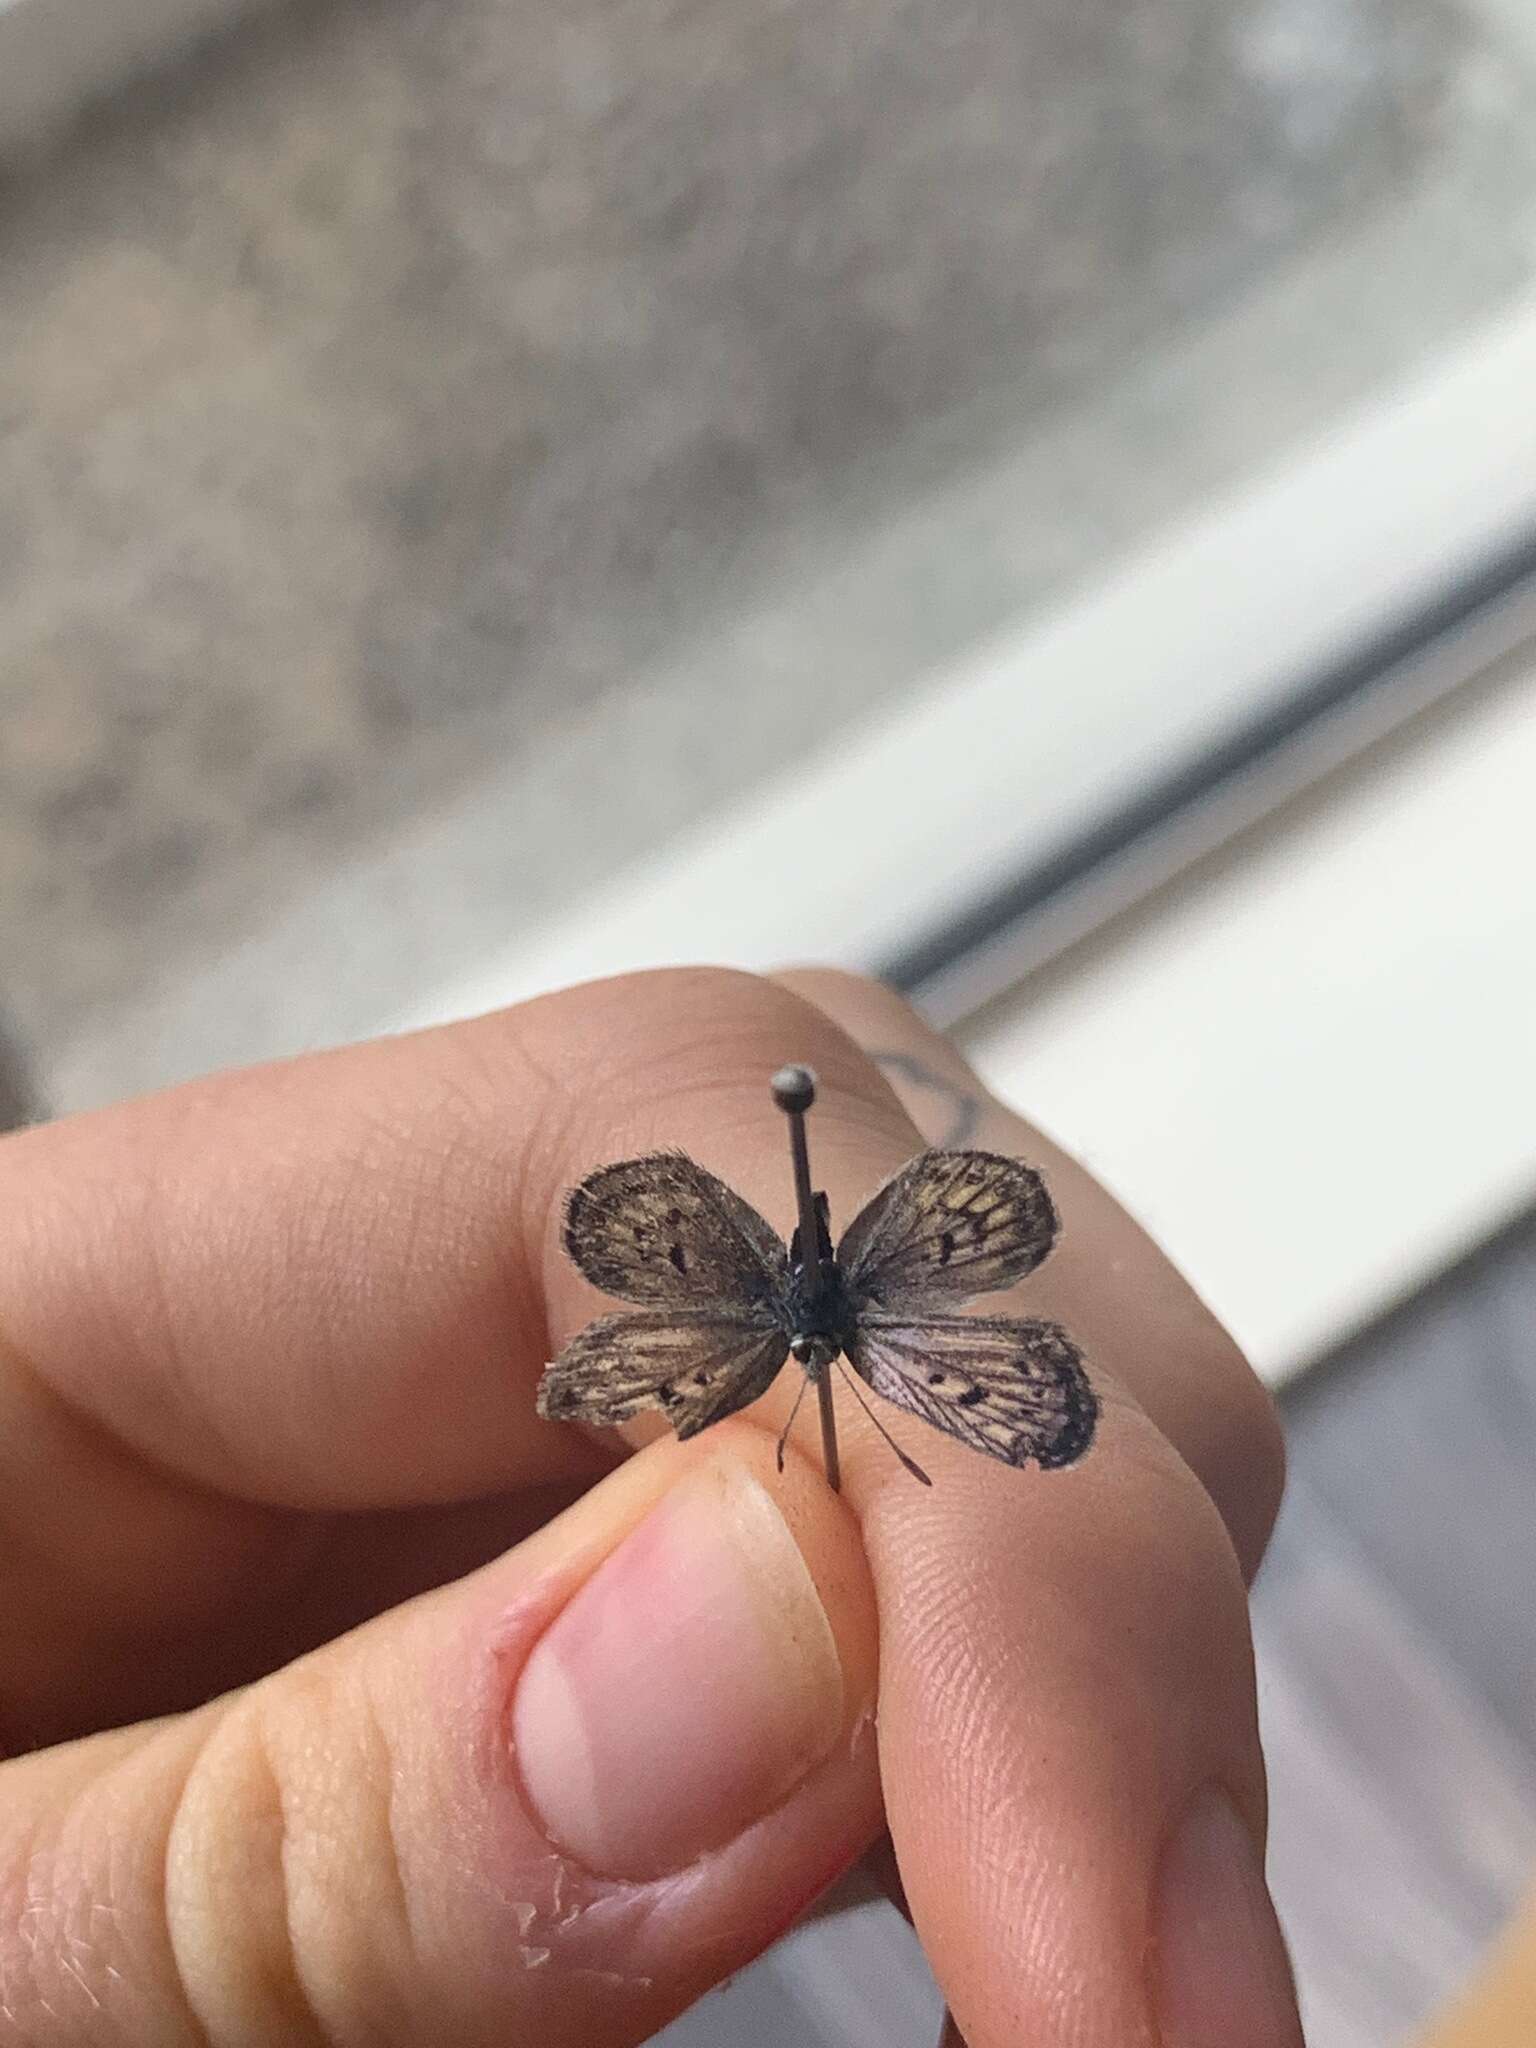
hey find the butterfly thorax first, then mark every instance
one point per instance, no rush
(819, 1308)
(821, 1319)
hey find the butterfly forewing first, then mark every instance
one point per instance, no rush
(661, 1229)
(948, 1226)
(1015, 1389)
(696, 1367)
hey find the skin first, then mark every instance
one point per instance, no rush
(280, 1526)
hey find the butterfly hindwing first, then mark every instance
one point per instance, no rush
(1013, 1388)
(661, 1229)
(696, 1367)
(948, 1226)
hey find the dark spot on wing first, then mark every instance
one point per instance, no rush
(937, 1379)
(946, 1247)
(678, 1258)
(971, 1397)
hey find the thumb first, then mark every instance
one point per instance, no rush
(554, 1802)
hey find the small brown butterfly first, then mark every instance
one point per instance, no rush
(722, 1304)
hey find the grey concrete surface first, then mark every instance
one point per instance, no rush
(385, 392)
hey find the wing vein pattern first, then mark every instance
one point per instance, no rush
(948, 1225)
(1012, 1387)
(696, 1368)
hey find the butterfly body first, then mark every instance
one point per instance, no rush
(721, 1303)
(819, 1311)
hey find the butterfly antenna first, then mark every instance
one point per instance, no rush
(911, 1464)
(784, 1433)
(794, 1090)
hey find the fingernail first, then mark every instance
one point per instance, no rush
(685, 1690)
(1223, 1976)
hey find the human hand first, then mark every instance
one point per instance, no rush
(432, 1767)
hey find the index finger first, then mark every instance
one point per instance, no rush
(321, 1283)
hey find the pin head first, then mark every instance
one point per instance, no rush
(794, 1089)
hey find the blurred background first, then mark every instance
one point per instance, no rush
(1035, 501)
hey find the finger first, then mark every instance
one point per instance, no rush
(319, 1283)
(554, 1802)
(1184, 1369)
(311, 1292)
(1066, 1675)
(1058, 1713)
(304, 1284)
(1193, 1382)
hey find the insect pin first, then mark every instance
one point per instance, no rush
(720, 1302)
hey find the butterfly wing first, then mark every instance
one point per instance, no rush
(949, 1225)
(1015, 1389)
(696, 1366)
(660, 1229)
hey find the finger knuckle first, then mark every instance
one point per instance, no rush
(82, 1945)
(1262, 1432)
(1165, 1545)
(837, 987)
(44, 1899)
(709, 1035)
(285, 1898)
(1246, 1446)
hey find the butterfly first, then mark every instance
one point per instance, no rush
(720, 1303)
